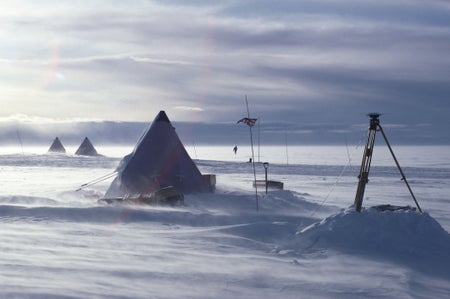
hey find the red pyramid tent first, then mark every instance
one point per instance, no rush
(57, 146)
(159, 160)
(86, 148)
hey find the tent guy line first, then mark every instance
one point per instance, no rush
(97, 180)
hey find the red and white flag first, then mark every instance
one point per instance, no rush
(248, 121)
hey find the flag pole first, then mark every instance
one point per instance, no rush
(253, 157)
(259, 139)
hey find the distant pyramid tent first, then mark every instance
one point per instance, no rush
(56, 147)
(86, 149)
(159, 160)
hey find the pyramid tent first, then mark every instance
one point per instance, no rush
(86, 149)
(159, 160)
(57, 147)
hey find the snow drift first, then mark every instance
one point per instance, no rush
(218, 245)
(404, 236)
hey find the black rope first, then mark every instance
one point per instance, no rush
(97, 180)
(338, 179)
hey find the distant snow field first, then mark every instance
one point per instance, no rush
(306, 241)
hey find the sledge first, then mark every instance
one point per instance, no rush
(270, 184)
(167, 196)
(392, 208)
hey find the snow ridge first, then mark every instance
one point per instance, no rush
(405, 236)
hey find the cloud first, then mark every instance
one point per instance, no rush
(27, 119)
(299, 61)
(187, 108)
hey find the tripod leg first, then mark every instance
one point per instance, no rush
(365, 168)
(399, 168)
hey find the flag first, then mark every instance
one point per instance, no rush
(248, 121)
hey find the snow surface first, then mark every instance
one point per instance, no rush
(304, 242)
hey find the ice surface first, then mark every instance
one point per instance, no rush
(304, 242)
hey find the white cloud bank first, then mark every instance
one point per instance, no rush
(301, 62)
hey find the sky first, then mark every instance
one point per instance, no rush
(306, 66)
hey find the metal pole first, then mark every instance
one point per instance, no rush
(266, 165)
(286, 146)
(253, 157)
(400, 169)
(259, 139)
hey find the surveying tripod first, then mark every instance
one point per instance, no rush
(367, 159)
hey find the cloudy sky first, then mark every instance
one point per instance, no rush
(306, 63)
